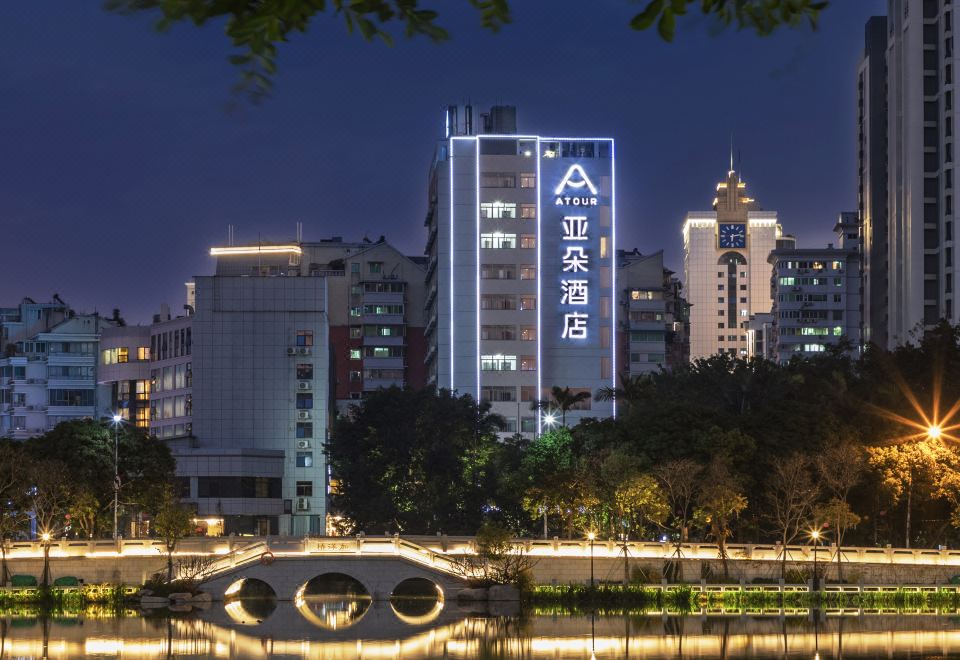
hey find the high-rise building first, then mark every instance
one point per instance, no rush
(906, 152)
(654, 331)
(726, 272)
(817, 296)
(520, 272)
(872, 177)
(48, 368)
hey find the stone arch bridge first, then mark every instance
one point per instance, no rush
(377, 564)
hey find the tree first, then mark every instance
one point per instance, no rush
(496, 559)
(172, 521)
(562, 399)
(415, 460)
(14, 501)
(548, 468)
(50, 499)
(840, 467)
(680, 479)
(721, 501)
(791, 494)
(257, 28)
(904, 466)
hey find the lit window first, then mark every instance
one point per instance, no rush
(498, 240)
(528, 211)
(528, 333)
(354, 353)
(304, 338)
(498, 210)
(528, 272)
(528, 302)
(528, 180)
(122, 355)
(304, 459)
(528, 241)
(528, 363)
(603, 247)
(143, 353)
(498, 363)
(355, 330)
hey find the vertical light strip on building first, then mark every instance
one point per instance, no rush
(450, 170)
(539, 295)
(614, 295)
(477, 241)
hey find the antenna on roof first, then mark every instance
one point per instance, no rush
(731, 152)
(299, 232)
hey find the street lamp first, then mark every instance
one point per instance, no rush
(45, 578)
(117, 420)
(815, 535)
(934, 432)
(591, 536)
(550, 419)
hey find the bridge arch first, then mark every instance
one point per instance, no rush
(417, 601)
(333, 600)
(248, 601)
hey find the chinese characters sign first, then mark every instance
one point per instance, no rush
(575, 256)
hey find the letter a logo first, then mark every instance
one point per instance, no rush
(580, 181)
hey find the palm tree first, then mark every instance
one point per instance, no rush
(633, 389)
(563, 399)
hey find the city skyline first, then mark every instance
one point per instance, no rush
(124, 152)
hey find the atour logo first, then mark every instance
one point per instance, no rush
(577, 182)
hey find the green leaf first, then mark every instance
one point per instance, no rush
(645, 19)
(667, 25)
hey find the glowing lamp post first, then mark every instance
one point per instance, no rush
(815, 535)
(591, 537)
(45, 579)
(117, 420)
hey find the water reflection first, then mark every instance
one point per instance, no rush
(333, 612)
(383, 630)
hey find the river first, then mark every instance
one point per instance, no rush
(333, 628)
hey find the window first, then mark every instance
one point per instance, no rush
(355, 377)
(304, 489)
(498, 210)
(375, 267)
(304, 429)
(528, 363)
(501, 394)
(304, 400)
(528, 333)
(251, 487)
(304, 372)
(498, 272)
(743, 287)
(606, 367)
(528, 302)
(355, 311)
(143, 353)
(720, 312)
(528, 393)
(528, 180)
(498, 180)
(719, 287)
(498, 302)
(71, 397)
(179, 376)
(604, 253)
(528, 425)
(304, 338)
(498, 362)
(304, 459)
(528, 241)
(355, 330)
(498, 241)
(528, 211)
(498, 332)
(383, 309)
(383, 351)
(528, 272)
(354, 353)
(355, 267)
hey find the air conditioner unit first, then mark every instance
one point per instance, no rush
(291, 350)
(304, 385)
(303, 444)
(303, 414)
(303, 350)
(303, 504)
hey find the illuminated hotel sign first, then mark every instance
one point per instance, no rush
(575, 258)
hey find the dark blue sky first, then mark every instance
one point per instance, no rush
(120, 164)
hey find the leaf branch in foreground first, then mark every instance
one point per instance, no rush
(761, 16)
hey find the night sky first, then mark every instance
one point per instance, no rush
(121, 162)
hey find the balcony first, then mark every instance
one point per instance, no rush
(371, 384)
(383, 319)
(383, 297)
(384, 363)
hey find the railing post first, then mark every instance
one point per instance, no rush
(396, 543)
(359, 544)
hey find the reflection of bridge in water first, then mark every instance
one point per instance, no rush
(467, 637)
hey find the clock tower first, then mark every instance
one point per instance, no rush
(727, 275)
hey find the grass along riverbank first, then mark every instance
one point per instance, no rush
(685, 598)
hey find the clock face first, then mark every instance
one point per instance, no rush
(732, 235)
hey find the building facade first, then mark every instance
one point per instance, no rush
(907, 152)
(48, 372)
(260, 398)
(872, 178)
(125, 369)
(653, 333)
(520, 271)
(817, 297)
(726, 271)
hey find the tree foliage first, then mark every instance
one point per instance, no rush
(256, 28)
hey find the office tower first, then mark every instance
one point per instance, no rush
(726, 272)
(520, 272)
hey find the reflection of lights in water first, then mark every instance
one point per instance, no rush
(332, 612)
(412, 611)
